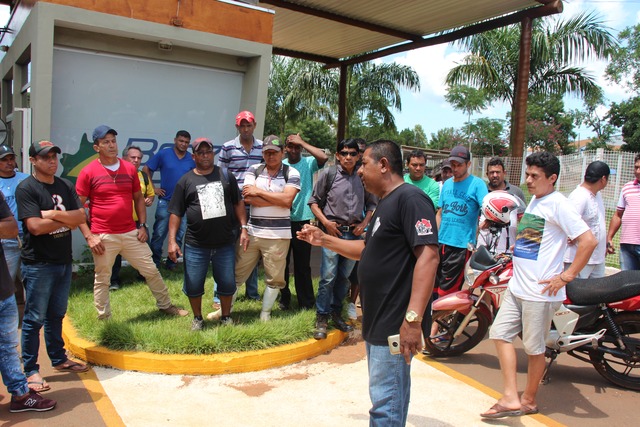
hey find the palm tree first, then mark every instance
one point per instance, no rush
(308, 90)
(557, 47)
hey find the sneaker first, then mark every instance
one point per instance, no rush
(197, 324)
(31, 402)
(215, 315)
(226, 321)
(351, 311)
(172, 310)
(114, 286)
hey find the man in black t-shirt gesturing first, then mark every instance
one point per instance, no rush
(398, 264)
(212, 202)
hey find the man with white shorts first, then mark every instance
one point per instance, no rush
(536, 290)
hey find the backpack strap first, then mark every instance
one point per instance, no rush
(326, 184)
(285, 171)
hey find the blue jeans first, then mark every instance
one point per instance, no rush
(196, 267)
(334, 279)
(160, 230)
(629, 256)
(10, 366)
(12, 256)
(46, 296)
(389, 387)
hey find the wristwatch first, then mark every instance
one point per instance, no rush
(245, 226)
(142, 225)
(412, 317)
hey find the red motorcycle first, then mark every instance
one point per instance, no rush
(598, 322)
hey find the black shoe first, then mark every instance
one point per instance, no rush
(114, 286)
(283, 306)
(340, 323)
(321, 327)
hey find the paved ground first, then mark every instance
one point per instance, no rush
(299, 393)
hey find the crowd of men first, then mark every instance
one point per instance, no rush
(410, 233)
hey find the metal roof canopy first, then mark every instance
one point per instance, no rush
(339, 33)
(330, 31)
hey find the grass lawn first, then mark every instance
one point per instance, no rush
(137, 325)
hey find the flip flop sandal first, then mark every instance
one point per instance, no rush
(71, 366)
(501, 412)
(40, 386)
(528, 410)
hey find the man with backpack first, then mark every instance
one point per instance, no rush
(211, 201)
(339, 202)
(269, 188)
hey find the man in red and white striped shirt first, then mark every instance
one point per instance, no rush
(628, 215)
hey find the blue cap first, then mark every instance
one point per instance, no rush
(101, 131)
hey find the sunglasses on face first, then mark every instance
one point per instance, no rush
(348, 153)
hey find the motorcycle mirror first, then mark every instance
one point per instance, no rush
(493, 279)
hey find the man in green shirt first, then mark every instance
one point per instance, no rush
(416, 162)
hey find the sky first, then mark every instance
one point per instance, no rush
(428, 107)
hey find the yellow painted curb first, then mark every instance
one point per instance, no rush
(212, 364)
(103, 404)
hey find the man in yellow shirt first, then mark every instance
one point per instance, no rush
(133, 154)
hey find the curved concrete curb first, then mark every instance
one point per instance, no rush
(212, 364)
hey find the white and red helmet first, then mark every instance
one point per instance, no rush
(497, 206)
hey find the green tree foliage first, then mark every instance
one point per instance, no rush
(624, 67)
(446, 139)
(468, 100)
(597, 122)
(557, 48)
(626, 115)
(314, 131)
(301, 89)
(549, 127)
(488, 138)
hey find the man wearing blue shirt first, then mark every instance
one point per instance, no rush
(172, 163)
(457, 217)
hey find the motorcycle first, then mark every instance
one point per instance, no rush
(598, 323)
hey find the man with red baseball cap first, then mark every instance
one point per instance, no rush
(236, 156)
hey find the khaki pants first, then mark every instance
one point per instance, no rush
(139, 256)
(274, 259)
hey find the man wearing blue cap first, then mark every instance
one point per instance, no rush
(114, 189)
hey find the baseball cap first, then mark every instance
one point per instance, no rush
(42, 148)
(5, 150)
(245, 115)
(198, 142)
(596, 170)
(446, 164)
(272, 142)
(459, 154)
(101, 131)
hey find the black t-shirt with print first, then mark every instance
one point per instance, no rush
(33, 196)
(403, 220)
(7, 287)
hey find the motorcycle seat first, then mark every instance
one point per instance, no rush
(482, 260)
(617, 287)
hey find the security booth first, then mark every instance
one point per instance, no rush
(145, 68)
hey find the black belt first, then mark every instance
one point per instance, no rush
(346, 228)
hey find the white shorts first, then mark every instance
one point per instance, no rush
(532, 318)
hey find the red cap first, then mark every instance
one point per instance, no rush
(245, 115)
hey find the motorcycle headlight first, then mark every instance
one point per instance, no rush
(470, 275)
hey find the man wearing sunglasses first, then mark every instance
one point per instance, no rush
(339, 201)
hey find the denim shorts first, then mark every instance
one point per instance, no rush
(196, 266)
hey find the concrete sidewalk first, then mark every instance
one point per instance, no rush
(330, 389)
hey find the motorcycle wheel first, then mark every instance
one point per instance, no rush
(448, 322)
(624, 372)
